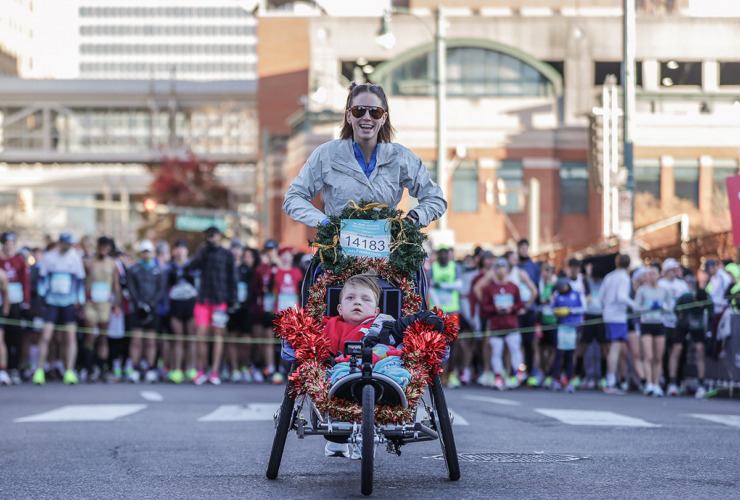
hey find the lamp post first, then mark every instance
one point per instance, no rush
(387, 39)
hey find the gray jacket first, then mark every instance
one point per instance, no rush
(333, 169)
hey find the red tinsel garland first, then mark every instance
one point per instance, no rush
(422, 352)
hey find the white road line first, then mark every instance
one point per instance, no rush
(498, 401)
(457, 419)
(151, 395)
(238, 413)
(731, 420)
(591, 417)
(83, 413)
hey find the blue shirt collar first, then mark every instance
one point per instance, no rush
(367, 168)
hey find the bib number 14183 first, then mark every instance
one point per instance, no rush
(365, 238)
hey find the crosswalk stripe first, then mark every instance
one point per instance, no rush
(498, 401)
(254, 412)
(731, 420)
(151, 395)
(591, 417)
(84, 413)
(457, 419)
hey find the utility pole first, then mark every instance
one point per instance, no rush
(441, 109)
(627, 197)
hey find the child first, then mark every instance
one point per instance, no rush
(568, 307)
(499, 304)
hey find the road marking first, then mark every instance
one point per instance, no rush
(151, 395)
(731, 420)
(83, 413)
(457, 419)
(238, 413)
(498, 401)
(591, 417)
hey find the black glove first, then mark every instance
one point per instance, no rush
(432, 320)
(412, 218)
(370, 341)
(145, 312)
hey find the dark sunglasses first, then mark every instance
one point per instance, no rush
(359, 111)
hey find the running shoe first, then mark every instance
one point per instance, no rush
(176, 376)
(486, 379)
(453, 381)
(225, 375)
(15, 377)
(498, 383)
(672, 390)
(70, 378)
(570, 388)
(246, 375)
(151, 377)
(83, 375)
(533, 382)
(133, 376)
(236, 376)
(277, 378)
(614, 391)
(39, 377)
(603, 384)
(576, 382)
(547, 382)
(658, 391)
(356, 452)
(466, 378)
(521, 377)
(589, 384)
(213, 378)
(5, 378)
(625, 386)
(117, 375)
(201, 378)
(258, 376)
(191, 374)
(700, 393)
(336, 449)
(512, 382)
(557, 386)
(648, 390)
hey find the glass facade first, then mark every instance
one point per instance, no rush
(465, 191)
(471, 72)
(647, 176)
(512, 173)
(686, 179)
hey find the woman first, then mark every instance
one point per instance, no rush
(363, 165)
(652, 301)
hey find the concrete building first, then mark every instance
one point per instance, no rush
(523, 78)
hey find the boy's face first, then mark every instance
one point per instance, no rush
(357, 303)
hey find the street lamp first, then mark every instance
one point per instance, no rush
(387, 39)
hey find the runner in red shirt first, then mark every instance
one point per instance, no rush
(19, 295)
(263, 307)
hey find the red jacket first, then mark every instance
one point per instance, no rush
(339, 332)
(16, 270)
(506, 292)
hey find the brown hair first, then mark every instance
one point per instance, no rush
(362, 281)
(387, 131)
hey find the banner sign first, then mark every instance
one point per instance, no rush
(733, 194)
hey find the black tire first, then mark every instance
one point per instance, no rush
(368, 438)
(444, 429)
(281, 433)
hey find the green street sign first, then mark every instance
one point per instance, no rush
(196, 223)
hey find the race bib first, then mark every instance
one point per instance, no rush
(653, 316)
(100, 292)
(241, 291)
(696, 323)
(365, 238)
(567, 336)
(15, 293)
(287, 300)
(503, 301)
(445, 297)
(61, 283)
(219, 318)
(268, 303)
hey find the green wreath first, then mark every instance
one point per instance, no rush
(407, 252)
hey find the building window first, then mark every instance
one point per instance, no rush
(686, 180)
(512, 175)
(574, 188)
(722, 168)
(680, 73)
(729, 73)
(647, 176)
(465, 187)
(603, 68)
(471, 71)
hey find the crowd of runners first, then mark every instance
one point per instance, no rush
(90, 311)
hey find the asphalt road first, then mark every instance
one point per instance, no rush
(166, 441)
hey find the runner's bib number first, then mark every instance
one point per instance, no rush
(219, 318)
(445, 297)
(100, 292)
(567, 336)
(287, 300)
(61, 283)
(241, 291)
(268, 303)
(503, 301)
(365, 238)
(15, 293)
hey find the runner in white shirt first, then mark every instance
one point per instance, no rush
(676, 287)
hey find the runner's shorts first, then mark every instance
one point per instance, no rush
(98, 313)
(616, 332)
(59, 315)
(211, 315)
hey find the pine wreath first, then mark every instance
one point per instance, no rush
(423, 350)
(407, 252)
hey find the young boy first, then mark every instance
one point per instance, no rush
(568, 308)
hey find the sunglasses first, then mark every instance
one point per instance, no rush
(376, 112)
